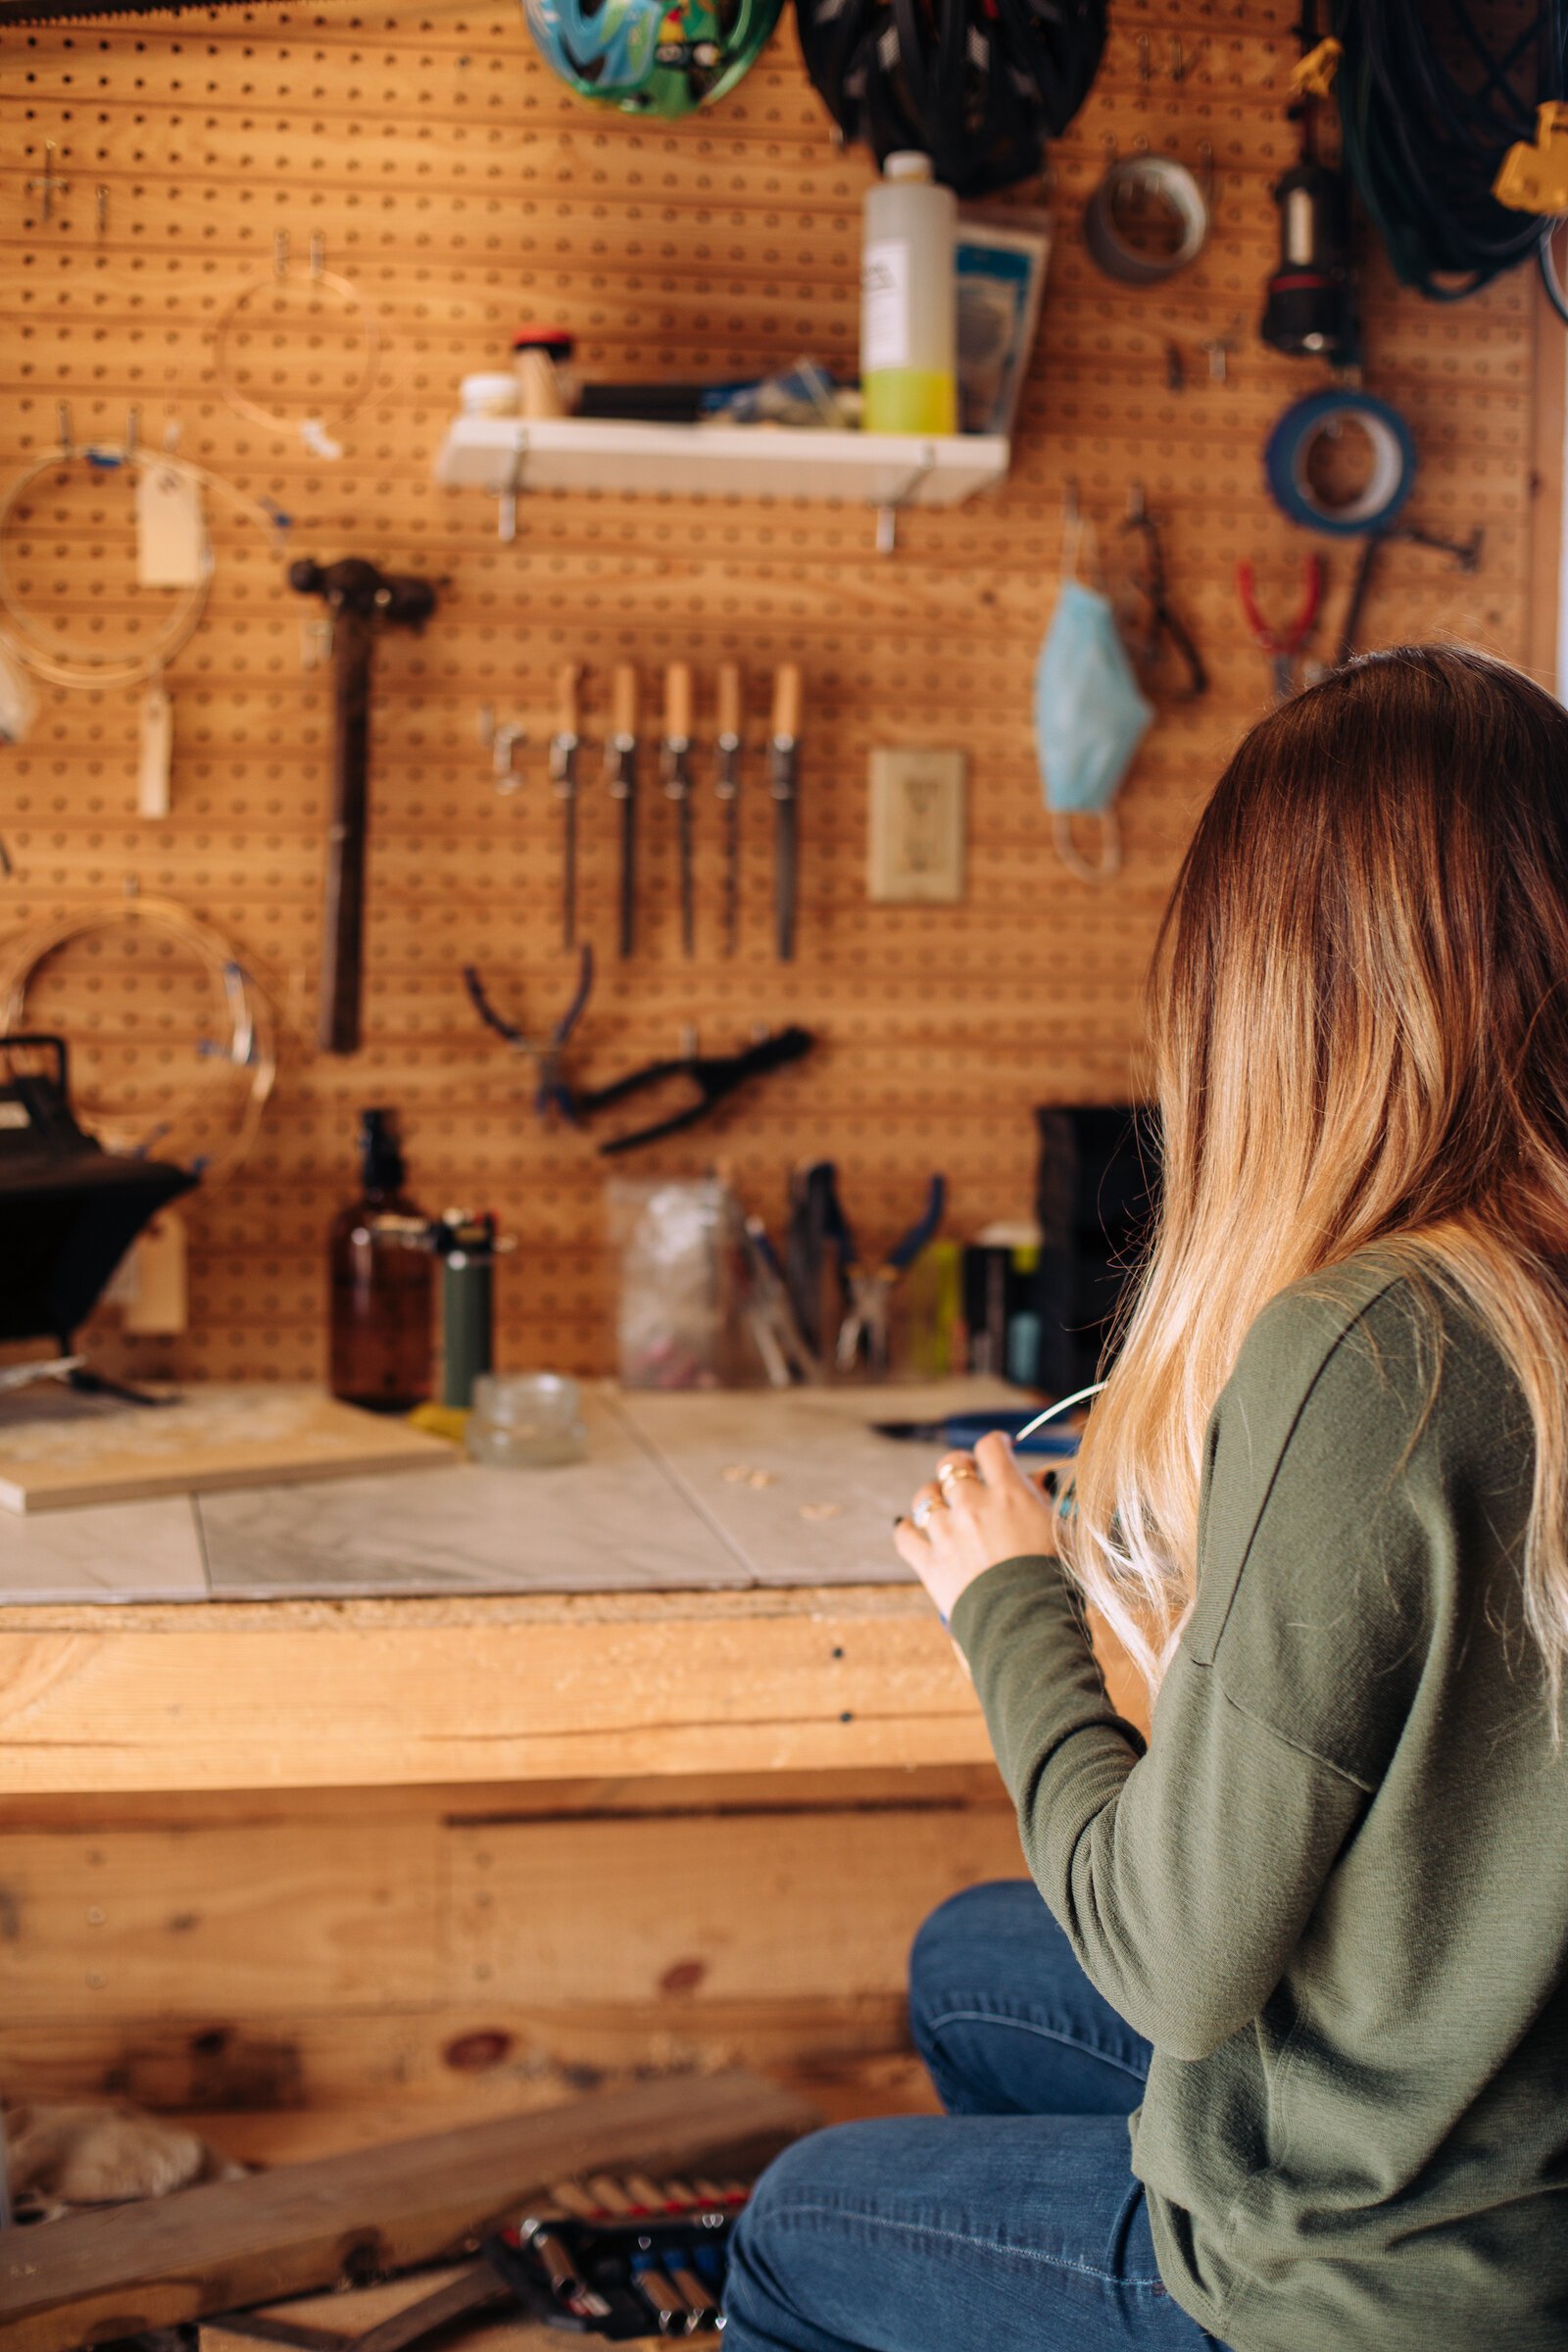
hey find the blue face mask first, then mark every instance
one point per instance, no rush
(1090, 719)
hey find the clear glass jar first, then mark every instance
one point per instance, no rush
(526, 1421)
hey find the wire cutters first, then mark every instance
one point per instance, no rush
(1283, 645)
(870, 1289)
(552, 1097)
(715, 1077)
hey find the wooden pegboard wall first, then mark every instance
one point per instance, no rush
(462, 189)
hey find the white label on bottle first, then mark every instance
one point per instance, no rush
(885, 304)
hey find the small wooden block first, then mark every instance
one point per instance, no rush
(343, 2318)
(58, 1451)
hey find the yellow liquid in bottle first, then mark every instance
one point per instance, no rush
(909, 399)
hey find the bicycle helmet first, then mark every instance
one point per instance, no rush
(652, 57)
(978, 85)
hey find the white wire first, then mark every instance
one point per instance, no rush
(1078, 1397)
(81, 670)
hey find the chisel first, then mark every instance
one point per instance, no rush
(563, 747)
(677, 765)
(727, 788)
(620, 759)
(783, 754)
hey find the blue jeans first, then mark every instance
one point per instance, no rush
(1011, 2223)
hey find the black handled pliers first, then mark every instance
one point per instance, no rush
(715, 1077)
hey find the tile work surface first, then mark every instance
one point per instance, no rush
(679, 1492)
(613, 1523)
(107, 1552)
(799, 1485)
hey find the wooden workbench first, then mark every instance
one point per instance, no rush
(407, 1848)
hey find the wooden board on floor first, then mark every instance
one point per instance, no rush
(60, 1450)
(324, 2322)
(343, 2319)
(99, 2276)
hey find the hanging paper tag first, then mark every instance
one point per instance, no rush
(170, 535)
(151, 1283)
(156, 750)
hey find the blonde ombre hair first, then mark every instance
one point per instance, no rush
(1359, 1010)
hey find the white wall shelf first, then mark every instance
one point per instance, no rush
(509, 454)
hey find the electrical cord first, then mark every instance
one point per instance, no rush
(247, 1007)
(1428, 109)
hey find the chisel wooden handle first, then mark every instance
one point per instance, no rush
(679, 703)
(786, 701)
(729, 701)
(566, 679)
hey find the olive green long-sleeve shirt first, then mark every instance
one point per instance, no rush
(1333, 1891)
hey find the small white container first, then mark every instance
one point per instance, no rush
(494, 395)
(908, 302)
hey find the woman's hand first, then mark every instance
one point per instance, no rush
(980, 1509)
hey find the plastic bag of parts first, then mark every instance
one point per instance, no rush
(682, 1313)
(802, 396)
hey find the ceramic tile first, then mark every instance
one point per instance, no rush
(613, 1523)
(798, 1484)
(106, 1551)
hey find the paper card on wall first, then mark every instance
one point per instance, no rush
(170, 535)
(150, 1283)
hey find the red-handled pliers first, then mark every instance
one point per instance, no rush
(1283, 645)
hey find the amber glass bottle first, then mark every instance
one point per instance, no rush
(382, 1287)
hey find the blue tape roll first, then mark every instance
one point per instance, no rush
(1290, 447)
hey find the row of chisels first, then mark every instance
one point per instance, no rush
(679, 766)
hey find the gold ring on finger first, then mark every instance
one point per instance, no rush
(950, 1474)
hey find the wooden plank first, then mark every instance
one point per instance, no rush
(59, 1453)
(696, 1908)
(92, 2277)
(502, 2053)
(340, 2319)
(207, 1924)
(364, 1693)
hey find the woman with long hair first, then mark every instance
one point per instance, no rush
(1281, 2060)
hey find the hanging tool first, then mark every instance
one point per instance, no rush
(501, 742)
(1310, 304)
(865, 1327)
(780, 1342)
(1283, 645)
(1163, 621)
(552, 1097)
(1466, 554)
(565, 745)
(360, 601)
(676, 761)
(728, 790)
(783, 760)
(620, 760)
(714, 1076)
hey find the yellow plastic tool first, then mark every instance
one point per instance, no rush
(1312, 76)
(1534, 179)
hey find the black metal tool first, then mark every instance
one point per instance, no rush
(677, 766)
(565, 745)
(715, 1077)
(1163, 621)
(1466, 552)
(727, 789)
(620, 759)
(552, 1097)
(783, 761)
(360, 601)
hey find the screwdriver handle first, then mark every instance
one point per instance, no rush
(786, 701)
(623, 700)
(566, 679)
(729, 700)
(679, 703)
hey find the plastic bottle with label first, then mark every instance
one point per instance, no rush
(909, 305)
